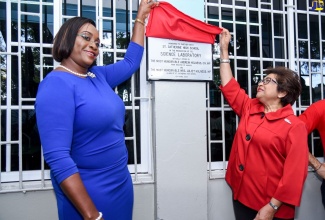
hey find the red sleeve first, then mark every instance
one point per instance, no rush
(235, 96)
(311, 117)
(295, 167)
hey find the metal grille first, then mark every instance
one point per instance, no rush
(265, 33)
(28, 28)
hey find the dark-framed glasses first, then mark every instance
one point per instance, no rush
(267, 80)
(87, 37)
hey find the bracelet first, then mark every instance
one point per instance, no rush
(100, 216)
(224, 61)
(141, 22)
(318, 168)
(275, 207)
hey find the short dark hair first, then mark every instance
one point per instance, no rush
(288, 81)
(64, 40)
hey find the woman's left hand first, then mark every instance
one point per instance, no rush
(265, 213)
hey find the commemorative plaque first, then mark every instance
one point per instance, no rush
(179, 60)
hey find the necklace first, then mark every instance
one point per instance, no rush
(83, 75)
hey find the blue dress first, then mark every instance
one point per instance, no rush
(80, 122)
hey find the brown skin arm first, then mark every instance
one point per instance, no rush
(75, 190)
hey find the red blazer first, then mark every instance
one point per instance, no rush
(314, 117)
(269, 155)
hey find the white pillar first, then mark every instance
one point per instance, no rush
(180, 142)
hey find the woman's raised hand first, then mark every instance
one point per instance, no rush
(145, 8)
(224, 39)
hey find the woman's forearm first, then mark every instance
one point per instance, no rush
(313, 162)
(138, 31)
(75, 190)
(225, 70)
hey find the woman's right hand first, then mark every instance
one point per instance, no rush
(224, 39)
(225, 70)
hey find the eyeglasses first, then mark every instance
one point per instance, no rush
(87, 37)
(267, 80)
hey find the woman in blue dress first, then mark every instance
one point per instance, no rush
(80, 120)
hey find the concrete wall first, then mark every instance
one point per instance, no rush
(32, 205)
(39, 205)
(181, 189)
(220, 200)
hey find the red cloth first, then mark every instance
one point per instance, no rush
(165, 21)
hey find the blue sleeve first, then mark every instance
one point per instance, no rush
(122, 70)
(55, 110)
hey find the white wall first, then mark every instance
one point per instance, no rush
(311, 205)
(180, 142)
(182, 189)
(220, 200)
(39, 205)
(181, 184)
(32, 205)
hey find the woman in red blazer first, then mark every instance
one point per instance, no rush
(269, 157)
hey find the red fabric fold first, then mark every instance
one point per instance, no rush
(165, 21)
